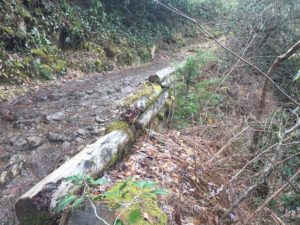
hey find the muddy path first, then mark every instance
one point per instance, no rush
(40, 131)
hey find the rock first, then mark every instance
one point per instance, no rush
(16, 169)
(89, 92)
(65, 145)
(4, 155)
(79, 140)
(127, 90)
(19, 142)
(110, 91)
(101, 131)
(58, 116)
(100, 120)
(86, 216)
(80, 132)
(34, 141)
(4, 177)
(57, 137)
(92, 128)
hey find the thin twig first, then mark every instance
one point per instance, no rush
(275, 194)
(173, 9)
(208, 163)
(92, 204)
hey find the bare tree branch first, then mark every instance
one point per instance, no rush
(275, 194)
(173, 9)
(268, 168)
(275, 64)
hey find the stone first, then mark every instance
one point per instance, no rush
(127, 90)
(100, 120)
(80, 132)
(16, 169)
(18, 142)
(89, 92)
(58, 116)
(34, 141)
(79, 140)
(57, 137)
(4, 177)
(85, 216)
(110, 91)
(65, 145)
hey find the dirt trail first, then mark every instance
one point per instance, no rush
(40, 131)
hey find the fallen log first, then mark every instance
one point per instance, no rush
(36, 206)
(168, 81)
(162, 74)
(138, 102)
(144, 119)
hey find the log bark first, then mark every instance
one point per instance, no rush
(131, 113)
(144, 119)
(162, 74)
(36, 206)
(166, 83)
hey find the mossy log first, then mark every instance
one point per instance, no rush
(166, 76)
(169, 81)
(159, 76)
(36, 206)
(145, 118)
(129, 114)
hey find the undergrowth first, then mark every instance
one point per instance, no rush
(195, 92)
(103, 32)
(133, 202)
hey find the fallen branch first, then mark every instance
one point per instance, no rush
(268, 168)
(275, 64)
(208, 163)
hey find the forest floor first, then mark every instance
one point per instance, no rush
(44, 127)
(179, 161)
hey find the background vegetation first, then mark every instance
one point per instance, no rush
(39, 37)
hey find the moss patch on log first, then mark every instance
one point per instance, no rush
(147, 89)
(122, 126)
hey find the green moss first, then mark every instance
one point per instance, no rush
(45, 71)
(120, 125)
(126, 57)
(144, 54)
(161, 115)
(43, 55)
(7, 30)
(148, 89)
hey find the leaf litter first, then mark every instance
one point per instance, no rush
(195, 195)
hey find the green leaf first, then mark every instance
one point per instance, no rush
(64, 202)
(145, 184)
(134, 216)
(76, 179)
(297, 76)
(100, 181)
(124, 184)
(77, 202)
(119, 222)
(159, 192)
